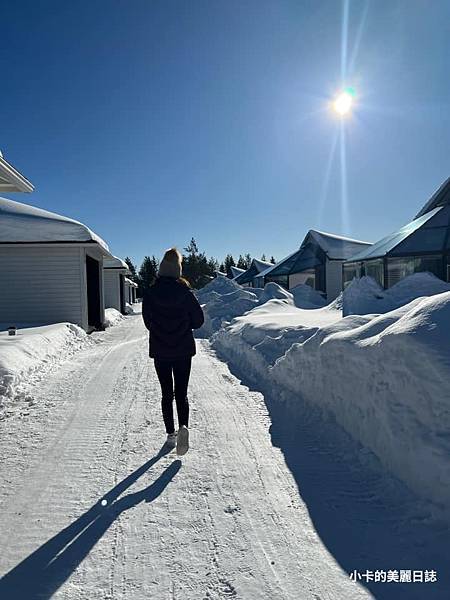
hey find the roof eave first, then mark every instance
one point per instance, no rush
(16, 182)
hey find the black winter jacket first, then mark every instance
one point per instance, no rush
(171, 311)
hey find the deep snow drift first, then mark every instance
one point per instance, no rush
(223, 300)
(385, 378)
(26, 357)
(112, 317)
(365, 296)
(383, 371)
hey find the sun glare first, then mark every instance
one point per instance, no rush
(343, 102)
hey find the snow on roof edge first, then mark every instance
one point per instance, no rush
(114, 263)
(335, 236)
(18, 219)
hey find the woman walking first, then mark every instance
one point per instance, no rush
(171, 311)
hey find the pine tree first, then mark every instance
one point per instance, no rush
(192, 249)
(222, 267)
(227, 264)
(197, 268)
(263, 257)
(272, 260)
(132, 269)
(241, 264)
(248, 260)
(213, 265)
(147, 273)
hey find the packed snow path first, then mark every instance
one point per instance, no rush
(226, 521)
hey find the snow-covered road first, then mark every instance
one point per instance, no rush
(226, 521)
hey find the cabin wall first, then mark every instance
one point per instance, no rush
(111, 278)
(41, 284)
(333, 279)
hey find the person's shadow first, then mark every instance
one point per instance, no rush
(47, 568)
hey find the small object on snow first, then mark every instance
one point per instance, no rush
(104, 502)
(12, 330)
(182, 440)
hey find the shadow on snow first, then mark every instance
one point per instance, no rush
(47, 568)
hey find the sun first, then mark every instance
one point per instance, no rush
(343, 102)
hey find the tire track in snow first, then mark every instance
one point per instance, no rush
(268, 535)
(76, 454)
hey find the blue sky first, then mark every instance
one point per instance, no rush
(155, 121)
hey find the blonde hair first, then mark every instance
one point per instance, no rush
(184, 281)
(173, 255)
(171, 265)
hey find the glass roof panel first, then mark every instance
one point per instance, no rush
(303, 263)
(388, 243)
(284, 267)
(423, 240)
(441, 219)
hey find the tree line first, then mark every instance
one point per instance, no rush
(198, 269)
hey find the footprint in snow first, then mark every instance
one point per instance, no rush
(231, 509)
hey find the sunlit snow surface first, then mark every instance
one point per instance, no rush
(384, 377)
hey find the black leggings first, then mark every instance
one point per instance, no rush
(170, 371)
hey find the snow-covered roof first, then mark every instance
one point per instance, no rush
(235, 271)
(260, 265)
(114, 263)
(130, 282)
(11, 180)
(255, 268)
(22, 223)
(336, 247)
(441, 197)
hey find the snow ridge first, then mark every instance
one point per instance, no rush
(27, 358)
(397, 363)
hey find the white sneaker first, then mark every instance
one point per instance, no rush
(171, 441)
(183, 440)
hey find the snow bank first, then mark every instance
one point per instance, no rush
(365, 296)
(269, 330)
(385, 378)
(218, 286)
(306, 297)
(129, 309)
(27, 356)
(112, 317)
(274, 291)
(223, 300)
